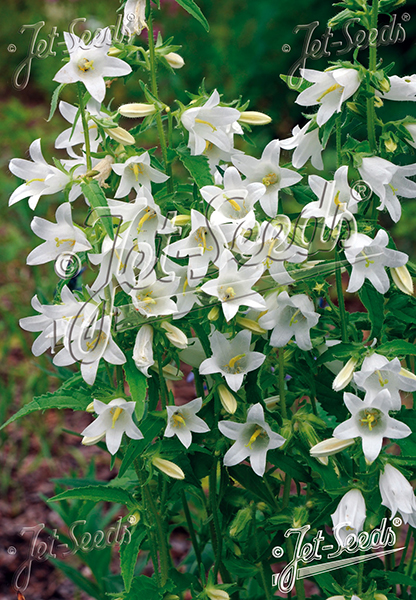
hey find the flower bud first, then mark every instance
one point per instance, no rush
(143, 349)
(384, 85)
(228, 401)
(104, 169)
(114, 51)
(168, 467)
(380, 597)
(171, 597)
(134, 518)
(90, 408)
(250, 325)
(406, 373)
(175, 335)
(214, 313)
(390, 145)
(240, 522)
(181, 220)
(345, 375)
(252, 117)
(134, 110)
(402, 279)
(90, 441)
(330, 447)
(272, 402)
(175, 60)
(121, 136)
(214, 593)
(378, 102)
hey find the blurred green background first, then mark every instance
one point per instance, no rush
(249, 45)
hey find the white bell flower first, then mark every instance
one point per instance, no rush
(41, 179)
(411, 128)
(182, 421)
(267, 171)
(307, 145)
(175, 335)
(152, 297)
(208, 124)
(186, 296)
(143, 349)
(89, 63)
(134, 17)
(75, 135)
(388, 181)
(401, 88)
(215, 155)
(232, 358)
(369, 258)
(397, 495)
(59, 238)
(252, 439)
(114, 419)
(371, 422)
(87, 345)
(291, 316)
(349, 516)
(378, 373)
(330, 89)
(233, 286)
(137, 172)
(336, 200)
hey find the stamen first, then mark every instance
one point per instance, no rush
(382, 381)
(62, 241)
(137, 168)
(148, 215)
(292, 320)
(85, 65)
(234, 204)
(178, 420)
(270, 179)
(329, 90)
(368, 262)
(232, 362)
(393, 189)
(185, 285)
(116, 413)
(371, 418)
(229, 294)
(35, 179)
(206, 123)
(258, 431)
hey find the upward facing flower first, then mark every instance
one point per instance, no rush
(182, 420)
(89, 63)
(371, 422)
(208, 124)
(114, 419)
(330, 89)
(253, 439)
(232, 358)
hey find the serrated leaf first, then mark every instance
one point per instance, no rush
(54, 100)
(197, 166)
(374, 303)
(397, 348)
(137, 384)
(394, 578)
(128, 555)
(144, 588)
(97, 493)
(96, 197)
(194, 10)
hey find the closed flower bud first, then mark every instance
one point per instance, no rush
(402, 279)
(252, 117)
(214, 593)
(181, 220)
(175, 335)
(390, 145)
(90, 441)
(241, 522)
(121, 136)
(330, 447)
(250, 324)
(378, 102)
(175, 60)
(345, 375)
(272, 402)
(406, 373)
(168, 467)
(135, 110)
(228, 401)
(171, 597)
(384, 85)
(214, 313)
(300, 516)
(114, 51)
(380, 597)
(104, 169)
(90, 407)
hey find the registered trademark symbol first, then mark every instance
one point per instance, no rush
(397, 521)
(406, 17)
(11, 48)
(286, 48)
(11, 550)
(361, 190)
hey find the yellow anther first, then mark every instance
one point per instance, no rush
(368, 262)
(393, 189)
(94, 343)
(270, 179)
(35, 179)
(329, 90)
(229, 294)
(234, 204)
(206, 123)
(371, 418)
(59, 242)
(336, 199)
(149, 214)
(148, 300)
(185, 285)
(292, 320)
(178, 420)
(258, 431)
(137, 168)
(200, 235)
(85, 65)
(232, 362)
(116, 413)
(208, 146)
(382, 381)
(268, 261)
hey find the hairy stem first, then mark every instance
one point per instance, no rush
(84, 125)
(340, 295)
(283, 406)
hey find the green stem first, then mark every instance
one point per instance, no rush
(120, 379)
(360, 578)
(338, 140)
(214, 512)
(371, 117)
(406, 547)
(110, 375)
(191, 530)
(84, 125)
(340, 294)
(260, 563)
(286, 491)
(164, 394)
(153, 83)
(282, 394)
(412, 558)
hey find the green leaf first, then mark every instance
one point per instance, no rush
(54, 100)
(80, 581)
(97, 493)
(75, 399)
(150, 428)
(197, 166)
(194, 10)
(394, 578)
(128, 555)
(374, 303)
(296, 83)
(397, 348)
(96, 197)
(251, 482)
(241, 568)
(137, 384)
(144, 588)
